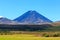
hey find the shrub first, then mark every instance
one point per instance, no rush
(45, 35)
(55, 35)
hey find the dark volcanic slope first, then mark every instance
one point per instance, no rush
(32, 17)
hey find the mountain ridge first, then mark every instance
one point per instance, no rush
(4, 20)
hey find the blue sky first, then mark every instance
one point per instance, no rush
(14, 8)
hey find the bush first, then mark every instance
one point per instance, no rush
(45, 35)
(55, 35)
(4, 31)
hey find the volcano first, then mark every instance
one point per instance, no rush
(32, 17)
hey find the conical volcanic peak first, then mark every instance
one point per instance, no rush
(32, 17)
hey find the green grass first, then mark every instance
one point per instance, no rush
(26, 37)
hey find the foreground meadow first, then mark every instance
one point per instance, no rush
(26, 37)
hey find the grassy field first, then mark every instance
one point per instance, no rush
(26, 37)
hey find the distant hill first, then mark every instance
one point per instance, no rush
(32, 17)
(57, 23)
(4, 20)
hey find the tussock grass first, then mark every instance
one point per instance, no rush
(26, 37)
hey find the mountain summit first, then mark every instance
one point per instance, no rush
(1, 17)
(32, 17)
